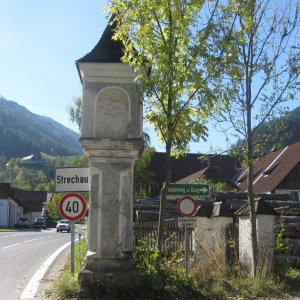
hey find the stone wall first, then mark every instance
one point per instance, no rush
(265, 240)
(210, 237)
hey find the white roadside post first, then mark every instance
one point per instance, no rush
(186, 207)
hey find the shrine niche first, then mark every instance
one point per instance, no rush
(112, 114)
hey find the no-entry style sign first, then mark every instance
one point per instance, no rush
(72, 206)
(186, 206)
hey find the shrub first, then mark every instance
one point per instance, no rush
(67, 286)
(162, 278)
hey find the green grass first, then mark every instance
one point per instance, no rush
(7, 230)
(67, 286)
(165, 279)
(292, 279)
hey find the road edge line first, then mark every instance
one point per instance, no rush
(33, 284)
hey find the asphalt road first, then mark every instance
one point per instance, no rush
(21, 254)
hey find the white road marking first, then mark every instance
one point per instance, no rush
(11, 246)
(33, 284)
(30, 241)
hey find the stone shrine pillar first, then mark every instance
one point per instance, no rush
(111, 138)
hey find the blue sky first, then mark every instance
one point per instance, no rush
(40, 40)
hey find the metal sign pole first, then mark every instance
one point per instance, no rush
(186, 250)
(72, 223)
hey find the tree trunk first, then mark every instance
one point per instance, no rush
(250, 171)
(252, 217)
(163, 198)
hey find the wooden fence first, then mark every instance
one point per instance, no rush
(174, 236)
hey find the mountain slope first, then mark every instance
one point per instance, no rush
(24, 133)
(280, 132)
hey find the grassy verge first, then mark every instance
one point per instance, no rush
(163, 278)
(67, 286)
(7, 230)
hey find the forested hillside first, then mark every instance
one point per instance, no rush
(36, 173)
(291, 133)
(23, 133)
(280, 132)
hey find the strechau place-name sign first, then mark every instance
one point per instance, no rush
(72, 179)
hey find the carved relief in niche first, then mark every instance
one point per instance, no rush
(112, 114)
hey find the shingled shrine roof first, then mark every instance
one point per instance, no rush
(261, 207)
(107, 50)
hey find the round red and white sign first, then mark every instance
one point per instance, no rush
(72, 206)
(186, 206)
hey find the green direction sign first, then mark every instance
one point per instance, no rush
(188, 190)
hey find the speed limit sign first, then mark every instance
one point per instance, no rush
(72, 206)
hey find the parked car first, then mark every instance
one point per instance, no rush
(39, 223)
(23, 223)
(63, 225)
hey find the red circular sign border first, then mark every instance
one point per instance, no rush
(179, 210)
(64, 198)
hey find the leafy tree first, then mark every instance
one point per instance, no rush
(75, 111)
(168, 43)
(52, 207)
(261, 66)
(143, 178)
(48, 187)
(78, 161)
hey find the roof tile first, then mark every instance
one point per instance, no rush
(107, 50)
(271, 169)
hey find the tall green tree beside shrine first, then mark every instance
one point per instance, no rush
(261, 69)
(168, 43)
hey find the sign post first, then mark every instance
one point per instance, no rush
(186, 207)
(72, 207)
(72, 226)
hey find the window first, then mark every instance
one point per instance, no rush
(268, 171)
(295, 195)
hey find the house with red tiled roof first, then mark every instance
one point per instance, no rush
(193, 167)
(275, 173)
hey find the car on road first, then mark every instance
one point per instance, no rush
(39, 223)
(23, 223)
(63, 225)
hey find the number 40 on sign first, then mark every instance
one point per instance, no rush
(72, 207)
